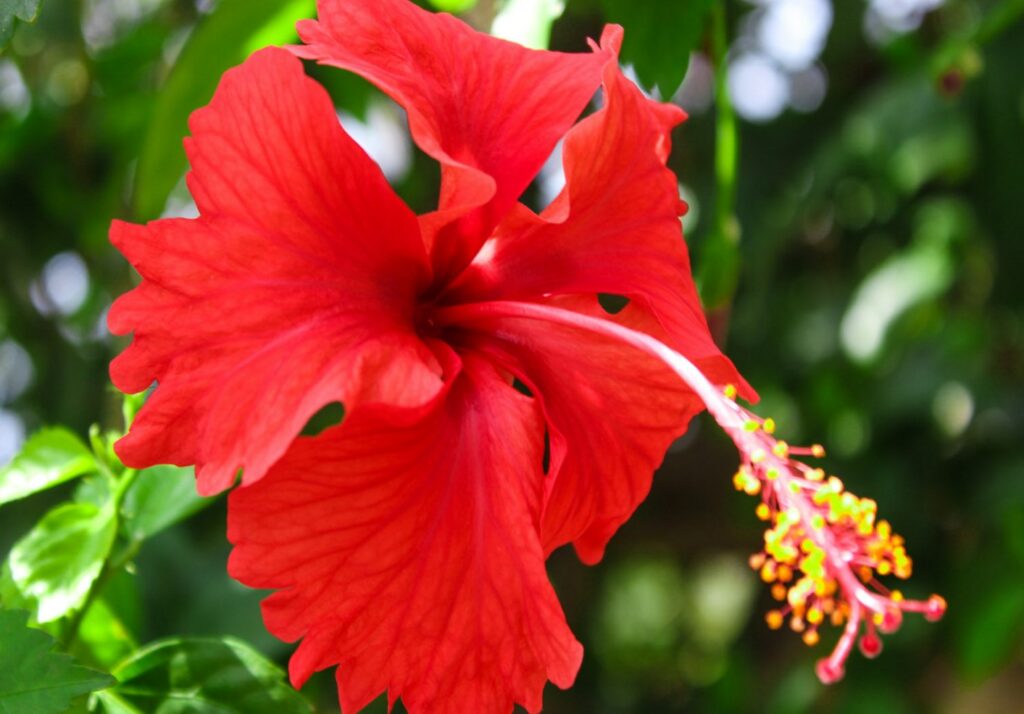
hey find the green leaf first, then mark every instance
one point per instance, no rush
(160, 497)
(33, 678)
(26, 10)
(527, 22)
(58, 561)
(113, 704)
(204, 675)
(51, 457)
(104, 634)
(991, 631)
(659, 37)
(453, 5)
(223, 39)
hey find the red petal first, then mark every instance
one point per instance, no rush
(611, 411)
(409, 555)
(295, 288)
(490, 111)
(614, 229)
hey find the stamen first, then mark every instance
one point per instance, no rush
(824, 545)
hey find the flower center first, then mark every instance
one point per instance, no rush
(424, 319)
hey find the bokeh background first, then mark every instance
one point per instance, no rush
(875, 300)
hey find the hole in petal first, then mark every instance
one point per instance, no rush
(545, 463)
(520, 387)
(611, 303)
(328, 416)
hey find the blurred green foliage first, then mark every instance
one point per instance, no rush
(878, 309)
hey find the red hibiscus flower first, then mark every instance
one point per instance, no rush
(407, 544)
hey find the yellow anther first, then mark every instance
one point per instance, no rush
(756, 561)
(769, 425)
(781, 449)
(816, 475)
(784, 573)
(758, 456)
(768, 572)
(811, 638)
(818, 451)
(796, 624)
(815, 616)
(818, 521)
(771, 474)
(752, 487)
(730, 391)
(835, 484)
(794, 487)
(884, 568)
(884, 530)
(896, 596)
(774, 619)
(751, 425)
(779, 591)
(763, 512)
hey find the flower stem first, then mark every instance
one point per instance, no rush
(719, 265)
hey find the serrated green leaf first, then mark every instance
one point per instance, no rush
(10, 10)
(225, 38)
(160, 497)
(659, 37)
(177, 675)
(49, 458)
(33, 678)
(57, 562)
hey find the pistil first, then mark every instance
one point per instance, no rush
(824, 548)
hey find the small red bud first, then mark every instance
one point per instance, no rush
(936, 608)
(871, 646)
(891, 621)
